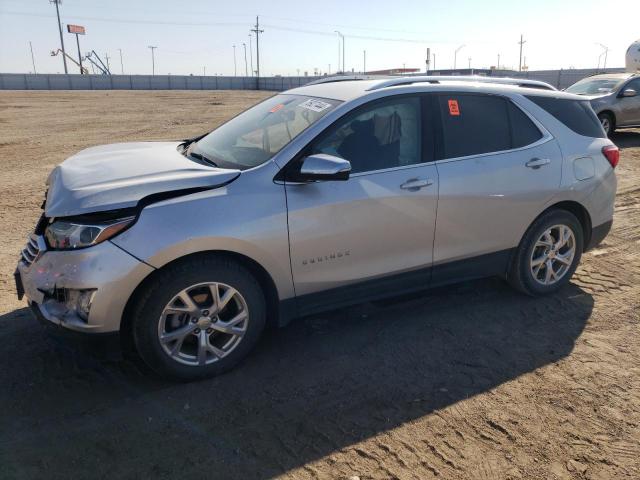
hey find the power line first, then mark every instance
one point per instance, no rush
(224, 24)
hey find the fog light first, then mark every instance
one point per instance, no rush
(79, 301)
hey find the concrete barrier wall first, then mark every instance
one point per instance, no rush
(21, 81)
(29, 81)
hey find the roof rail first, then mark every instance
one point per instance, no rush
(435, 79)
(345, 78)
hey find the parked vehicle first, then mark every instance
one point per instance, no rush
(615, 97)
(316, 198)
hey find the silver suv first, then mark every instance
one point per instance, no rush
(320, 197)
(615, 97)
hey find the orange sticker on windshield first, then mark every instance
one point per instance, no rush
(453, 108)
(280, 106)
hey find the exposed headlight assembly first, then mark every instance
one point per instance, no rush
(68, 234)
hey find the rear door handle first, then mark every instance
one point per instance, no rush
(414, 184)
(536, 163)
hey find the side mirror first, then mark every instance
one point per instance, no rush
(323, 167)
(628, 92)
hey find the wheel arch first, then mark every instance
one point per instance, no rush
(580, 213)
(275, 312)
(611, 113)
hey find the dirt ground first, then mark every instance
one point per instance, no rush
(468, 382)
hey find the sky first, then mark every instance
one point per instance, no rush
(197, 36)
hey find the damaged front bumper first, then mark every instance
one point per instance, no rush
(83, 290)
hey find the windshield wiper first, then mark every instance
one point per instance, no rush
(199, 156)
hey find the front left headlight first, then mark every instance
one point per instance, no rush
(67, 235)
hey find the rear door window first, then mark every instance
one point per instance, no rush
(473, 124)
(523, 131)
(574, 114)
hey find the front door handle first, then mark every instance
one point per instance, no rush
(414, 184)
(536, 163)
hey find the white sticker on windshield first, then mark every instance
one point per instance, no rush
(315, 105)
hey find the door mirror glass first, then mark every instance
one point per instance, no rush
(323, 167)
(629, 92)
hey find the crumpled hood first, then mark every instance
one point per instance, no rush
(116, 176)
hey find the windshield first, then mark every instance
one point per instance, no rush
(594, 86)
(257, 134)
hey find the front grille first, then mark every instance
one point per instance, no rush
(32, 250)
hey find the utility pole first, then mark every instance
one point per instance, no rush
(251, 55)
(455, 56)
(204, 71)
(340, 36)
(498, 66)
(469, 63)
(521, 43)
(434, 61)
(153, 60)
(364, 61)
(257, 31)
(246, 68)
(235, 69)
(64, 54)
(121, 64)
(32, 59)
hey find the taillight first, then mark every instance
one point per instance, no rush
(612, 153)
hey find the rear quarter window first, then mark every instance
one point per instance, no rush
(577, 115)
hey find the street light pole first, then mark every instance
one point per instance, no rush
(364, 61)
(340, 36)
(64, 54)
(153, 60)
(32, 59)
(251, 55)
(606, 51)
(235, 70)
(121, 64)
(246, 68)
(455, 56)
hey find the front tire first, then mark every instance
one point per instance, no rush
(548, 254)
(608, 123)
(198, 318)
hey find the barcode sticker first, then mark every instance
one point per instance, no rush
(315, 105)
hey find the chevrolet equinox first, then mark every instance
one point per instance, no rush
(322, 196)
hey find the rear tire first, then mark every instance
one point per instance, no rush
(548, 254)
(608, 123)
(198, 318)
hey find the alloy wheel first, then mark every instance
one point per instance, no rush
(203, 323)
(553, 254)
